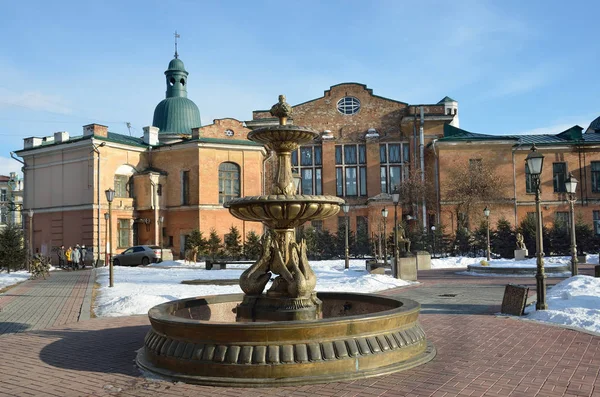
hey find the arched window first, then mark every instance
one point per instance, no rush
(124, 181)
(229, 182)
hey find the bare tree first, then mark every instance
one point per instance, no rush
(471, 185)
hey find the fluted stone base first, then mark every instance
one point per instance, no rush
(360, 335)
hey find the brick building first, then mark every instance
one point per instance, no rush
(182, 172)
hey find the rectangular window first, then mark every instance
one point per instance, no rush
(383, 179)
(394, 153)
(338, 155)
(563, 219)
(363, 181)
(395, 177)
(122, 187)
(318, 225)
(123, 232)
(349, 154)
(318, 155)
(351, 180)
(3, 195)
(185, 187)
(394, 165)
(306, 155)
(309, 168)
(3, 215)
(596, 176)
(339, 181)
(362, 154)
(318, 182)
(528, 180)
(307, 181)
(559, 174)
(597, 222)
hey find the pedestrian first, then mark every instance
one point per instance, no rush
(76, 257)
(61, 257)
(68, 256)
(83, 256)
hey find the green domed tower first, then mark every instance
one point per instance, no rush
(176, 115)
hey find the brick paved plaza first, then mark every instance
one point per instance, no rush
(50, 347)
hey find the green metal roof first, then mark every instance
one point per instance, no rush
(111, 137)
(452, 133)
(446, 99)
(572, 135)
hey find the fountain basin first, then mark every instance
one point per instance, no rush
(197, 340)
(280, 211)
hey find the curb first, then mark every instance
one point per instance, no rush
(86, 305)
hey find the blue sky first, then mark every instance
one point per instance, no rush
(513, 66)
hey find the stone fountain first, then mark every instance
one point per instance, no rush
(290, 334)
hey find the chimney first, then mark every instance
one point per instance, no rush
(95, 130)
(32, 142)
(196, 133)
(151, 135)
(62, 136)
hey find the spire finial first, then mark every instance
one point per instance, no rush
(282, 110)
(176, 37)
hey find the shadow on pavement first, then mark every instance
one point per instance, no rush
(12, 328)
(449, 308)
(108, 351)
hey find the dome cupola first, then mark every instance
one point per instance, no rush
(176, 115)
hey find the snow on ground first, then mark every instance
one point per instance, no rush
(7, 279)
(463, 262)
(137, 289)
(574, 302)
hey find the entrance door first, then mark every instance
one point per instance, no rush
(135, 233)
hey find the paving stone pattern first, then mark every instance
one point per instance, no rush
(478, 353)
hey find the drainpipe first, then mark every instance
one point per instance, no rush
(97, 250)
(514, 149)
(436, 180)
(422, 154)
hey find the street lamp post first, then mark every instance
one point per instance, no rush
(486, 212)
(105, 238)
(30, 239)
(346, 209)
(395, 200)
(384, 214)
(571, 188)
(110, 195)
(433, 235)
(161, 219)
(535, 162)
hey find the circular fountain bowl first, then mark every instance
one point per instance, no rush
(197, 340)
(284, 212)
(282, 135)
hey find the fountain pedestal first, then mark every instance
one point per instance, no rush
(266, 308)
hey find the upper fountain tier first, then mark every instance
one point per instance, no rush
(283, 208)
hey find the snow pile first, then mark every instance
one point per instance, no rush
(7, 279)
(573, 302)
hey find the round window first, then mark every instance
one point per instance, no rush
(229, 132)
(348, 105)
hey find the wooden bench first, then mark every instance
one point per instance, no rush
(222, 264)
